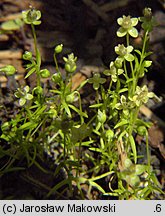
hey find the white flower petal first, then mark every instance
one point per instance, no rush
(134, 21)
(120, 71)
(120, 20)
(129, 57)
(121, 32)
(26, 88)
(133, 32)
(129, 49)
(22, 101)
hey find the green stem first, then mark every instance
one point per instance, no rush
(97, 96)
(80, 105)
(132, 122)
(64, 147)
(56, 63)
(110, 85)
(118, 84)
(38, 59)
(134, 83)
(79, 158)
(132, 89)
(116, 91)
(34, 37)
(127, 39)
(144, 44)
(148, 153)
(142, 55)
(125, 70)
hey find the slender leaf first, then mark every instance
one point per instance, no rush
(129, 80)
(121, 123)
(121, 135)
(87, 143)
(65, 106)
(30, 72)
(123, 90)
(28, 125)
(101, 176)
(95, 149)
(94, 184)
(96, 105)
(12, 25)
(59, 185)
(133, 146)
(138, 51)
(78, 111)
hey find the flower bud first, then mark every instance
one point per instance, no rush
(109, 134)
(101, 116)
(5, 126)
(9, 70)
(52, 112)
(45, 73)
(141, 130)
(56, 78)
(118, 63)
(58, 48)
(70, 68)
(147, 13)
(27, 55)
(127, 163)
(70, 63)
(70, 98)
(38, 90)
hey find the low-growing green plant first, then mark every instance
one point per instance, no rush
(55, 121)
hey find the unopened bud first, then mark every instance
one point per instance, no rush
(27, 55)
(58, 48)
(45, 73)
(9, 70)
(56, 78)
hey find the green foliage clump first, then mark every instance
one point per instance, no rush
(58, 119)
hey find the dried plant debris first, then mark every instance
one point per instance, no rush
(156, 139)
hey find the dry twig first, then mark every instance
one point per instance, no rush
(8, 54)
